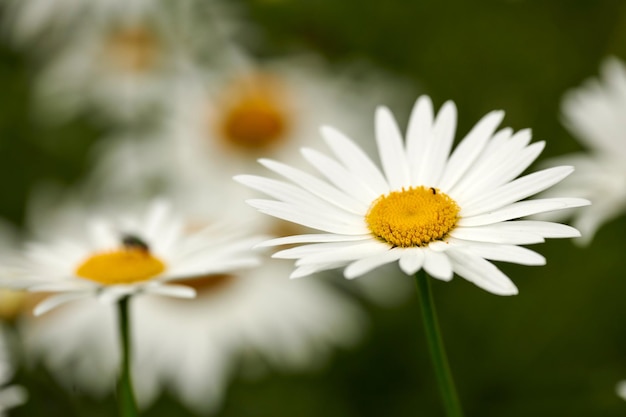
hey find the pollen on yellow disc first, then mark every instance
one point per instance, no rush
(123, 266)
(412, 217)
(133, 49)
(254, 114)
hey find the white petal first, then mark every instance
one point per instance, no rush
(306, 270)
(437, 265)
(364, 265)
(355, 159)
(418, 135)
(411, 260)
(340, 176)
(544, 229)
(315, 220)
(507, 253)
(311, 238)
(521, 209)
(495, 234)
(56, 300)
(346, 254)
(178, 291)
(311, 184)
(436, 153)
(469, 149)
(481, 272)
(391, 149)
(516, 190)
(313, 248)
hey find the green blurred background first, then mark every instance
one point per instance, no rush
(556, 349)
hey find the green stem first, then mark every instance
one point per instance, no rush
(125, 395)
(435, 346)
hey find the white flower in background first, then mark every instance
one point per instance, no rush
(193, 348)
(221, 122)
(128, 255)
(620, 389)
(429, 208)
(121, 68)
(36, 20)
(594, 113)
(239, 321)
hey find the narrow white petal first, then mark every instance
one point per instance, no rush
(308, 182)
(541, 228)
(507, 253)
(333, 201)
(495, 234)
(365, 265)
(311, 238)
(340, 176)
(411, 260)
(62, 286)
(56, 300)
(112, 294)
(307, 270)
(437, 265)
(436, 154)
(178, 291)
(516, 190)
(391, 149)
(469, 149)
(521, 209)
(315, 220)
(481, 272)
(311, 249)
(346, 254)
(355, 159)
(418, 132)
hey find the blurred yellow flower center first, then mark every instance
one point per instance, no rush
(412, 217)
(254, 114)
(133, 49)
(123, 266)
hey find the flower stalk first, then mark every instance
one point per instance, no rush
(436, 348)
(125, 394)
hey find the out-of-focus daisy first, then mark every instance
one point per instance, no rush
(35, 20)
(192, 348)
(11, 395)
(239, 321)
(221, 123)
(122, 68)
(429, 208)
(133, 254)
(594, 113)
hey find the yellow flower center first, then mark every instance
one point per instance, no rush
(255, 114)
(413, 217)
(123, 266)
(134, 49)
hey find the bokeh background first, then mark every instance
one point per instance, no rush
(556, 349)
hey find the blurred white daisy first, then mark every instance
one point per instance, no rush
(220, 123)
(128, 255)
(122, 68)
(594, 113)
(35, 20)
(244, 322)
(620, 389)
(429, 208)
(240, 321)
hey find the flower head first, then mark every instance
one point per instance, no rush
(428, 208)
(594, 113)
(147, 253)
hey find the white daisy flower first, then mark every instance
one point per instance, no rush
(594, 113)
(122, 67)
(240, 322)
(429, 208)
(35, 20)
(142, 254)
